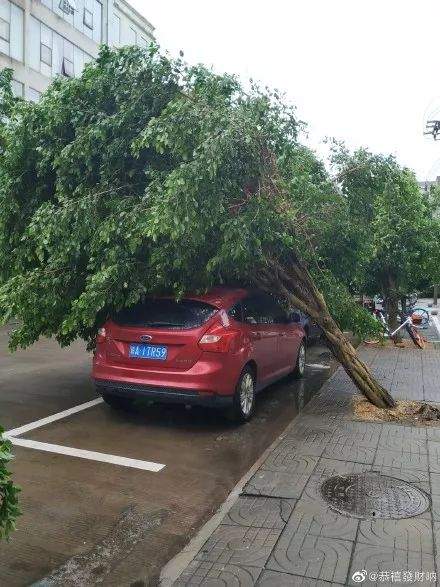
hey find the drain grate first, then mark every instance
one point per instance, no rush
(371, 495)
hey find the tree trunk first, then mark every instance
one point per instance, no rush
(392, 302)
(292, 282)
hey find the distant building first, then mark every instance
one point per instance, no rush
(426, 186)
(40, 39)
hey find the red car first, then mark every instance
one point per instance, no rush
(218, 349)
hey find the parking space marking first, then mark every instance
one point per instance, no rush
(39, 423)
(87, 454)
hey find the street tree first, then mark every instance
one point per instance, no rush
(397, 227)
(144, 177)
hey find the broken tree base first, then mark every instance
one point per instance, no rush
(405, 412)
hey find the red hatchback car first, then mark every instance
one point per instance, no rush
(217, 349)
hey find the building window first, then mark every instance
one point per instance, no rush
(88, 19)
(117, 29)
(46, 54)
(67, 68)
(68, 6)
(17, 88)
(133, 37)
(5, 33)
(34, 95)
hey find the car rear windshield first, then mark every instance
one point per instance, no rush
(166, 314)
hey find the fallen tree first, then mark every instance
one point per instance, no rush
(145, 176)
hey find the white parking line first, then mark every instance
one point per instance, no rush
(38, 423)
(74, 452)
(87, 454)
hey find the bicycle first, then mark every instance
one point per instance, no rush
(408, 322)
(414, 310)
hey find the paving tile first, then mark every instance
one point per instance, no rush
(408, 534)
(275, 579)
(238, 545)
(292, 455)
(306, 422)
(409, 475)
(335, 406)
(361, 429)
(400, 460)
(433, 433)
(312, 491)
(206, 573)
(328, 467)
(435, 507)
(276, 484)
(349, 449)
(260, 512)
(357, 433)
(435, 483)
(403, 439)
(312, 556)
(437, 542)
(319, 520)
(310, 441)
(286, 458)
(434, 456)
(376, 559)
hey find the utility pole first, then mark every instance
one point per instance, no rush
(433, 128)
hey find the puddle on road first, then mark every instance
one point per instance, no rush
(94, 566)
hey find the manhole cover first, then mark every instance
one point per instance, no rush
(372, 495)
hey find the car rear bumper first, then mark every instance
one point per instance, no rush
(162, 394)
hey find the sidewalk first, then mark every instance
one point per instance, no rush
(280, 532)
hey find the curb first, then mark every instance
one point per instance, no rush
(175, 567)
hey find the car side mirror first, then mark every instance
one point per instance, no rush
(295, 317)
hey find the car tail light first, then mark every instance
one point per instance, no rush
(217, 340)
(101, 336)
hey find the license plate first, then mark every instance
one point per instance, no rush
(148, 351)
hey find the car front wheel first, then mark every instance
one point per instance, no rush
(300, 365)
(244, 397)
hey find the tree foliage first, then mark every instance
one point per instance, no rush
(146, 176)
(9, 510)
(396, 227)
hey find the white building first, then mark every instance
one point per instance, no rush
(40, 39)
(426, 186)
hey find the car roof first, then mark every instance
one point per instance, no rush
(220, 296)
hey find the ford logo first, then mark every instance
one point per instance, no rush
(146, 337)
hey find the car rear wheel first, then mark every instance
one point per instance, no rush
(117, 402)
(300, 365)
(244, 397)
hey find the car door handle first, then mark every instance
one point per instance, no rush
(283, 334)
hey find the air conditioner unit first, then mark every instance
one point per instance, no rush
(68, 6)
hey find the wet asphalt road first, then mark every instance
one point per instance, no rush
(115, 525)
